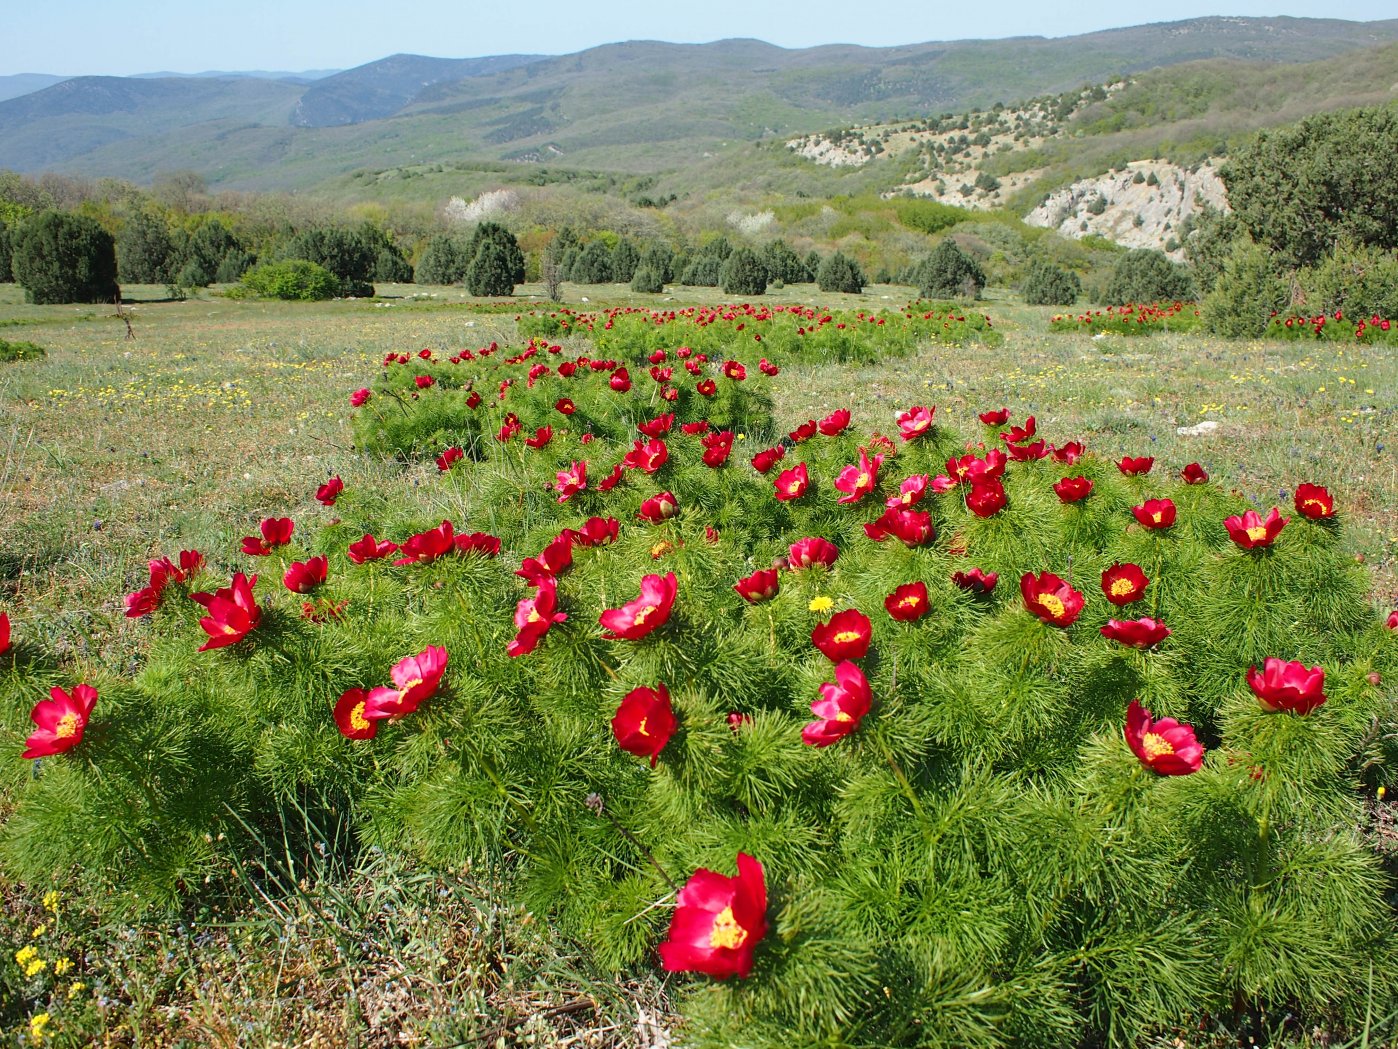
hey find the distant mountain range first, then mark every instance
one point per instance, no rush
(637, 107)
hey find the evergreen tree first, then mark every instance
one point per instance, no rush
(785, 265)
(493, 269)
(647, 280)
(1047, 285)
(1246, 294)
(840, 273)
(660, 258)
(145, 250)
(813, 261)
(743, 273)
(703, 271)
(443, 260)
(348, 254)
(204, 253)
(511, 258)
(60, 257)
(593, 265)
(1145, 275)
(948, 272)
(718, 248)
(6, 253)
(625, 259)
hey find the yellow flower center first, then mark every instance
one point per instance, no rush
(641, 728)
(1259, 532)
(533, 616)
(410, 685)
(727, 932)
(861, 480)
(644, 614)
(1052, 604)
(357, 720)
(909, 602)
(1122, 587)
(1158, 516)
(842, 717)
(67, 726)
(844, 637)
(1155, 745)
(1315, 503)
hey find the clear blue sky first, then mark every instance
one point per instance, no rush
(72, 37)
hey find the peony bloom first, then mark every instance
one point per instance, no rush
(4, 633)
(986, 497)
(1164, 746)
(415, 678)
(571, 481)
(542, 436)
(555, 558)
(706, 388)
(1135, 467)
(1251, 530)
(1069, 453)
(1155, 513)
(644, 722)
(477, 543)
(428, 546)
(834, 424)
(233, 612)
(359, 398)
(657, 427)
(1391, 622)
(908, 602)
(370, 549)
(620, 380)
(768, 458)
(449, 458)
(597, 531)
(658, 508)
(761, 586)
(564, 406)
(1137, 633)
(841, 708)
(857, 481)
(998, 417)
(804, 432)
(276, 531)
(792, 484)
(734, 371)
(767, 367)
(638, 617)
(1288, 686)
(915, 422)
(1194, 474)
(812, 550)
(1021, 434)
(1122, 584)
(976, 581)
(1023, 453)
(612, 479)
(694, 428)
(1072, 489)
(647, 456)
(913, 527)
(534, 616)
(846, 636)
(304, 576)
(1050, 598)
(717, 448)
(970, 468)
(61, 720)
(718, 922)
(1314, 501)
(910, 492)
(422, 382)
(327, 493)
(349, 715)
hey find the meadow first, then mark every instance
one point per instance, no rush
(218, 414)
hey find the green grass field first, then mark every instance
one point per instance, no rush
(219, 413)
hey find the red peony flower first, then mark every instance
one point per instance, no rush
(768, 458)
(477, 543)
(834, 424)
(1050, 598)
(61, 720)
(1314, 501)
(695, 427)
(647, 456)
(612, 479)
(449, 458)
(915, 422)
(644, 722)
(1194, 474)
(327, 493)
(910, 492)
(349, 715)
(1023, 453)
(734, 371)
(571, 481)
(986, 497)
(304, 576)
(370, 549)
(1251, 530)
(846, 636)
(841, 708)
(422, 382)
(718, 922)
(597, 531)
(1288, 686)
(1164, 746)
(1072, 489)
(473, 401)
(998, 417)
(857, 481)
(1069, 453)
(534, 616)
(276, 531)
(767, 367)
(415, 678)
(1135, 467)
(907, 602)
(717, 448)
(1155, 513)
(912, 527)
(792, 484)
(970, 468)
(359, 397)
(233, 612)
(657, 427)
(428, 546)
(1122, 584)
(564, 406)
(620, 380)
(1391, 622)
(658, 508)
(706, 387)
(1020, 434)
(804, 432)
(1137, 633)
(4, 633)
(761, 586)
(555, 558)
(637, 618)
(542, 436)
(976, 581)
(812, 550)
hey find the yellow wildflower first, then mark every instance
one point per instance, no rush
(76, 988)
(23, 955)
(39, 930)
(62, 966)
(821, 604)
(51, 899)
(37, 1023)
(35, 967)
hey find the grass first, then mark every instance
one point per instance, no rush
(218, 413)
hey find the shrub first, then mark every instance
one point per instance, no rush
(647, 280)
(1354, 279)
(987, 182)
(704, 271)
(593, 265)
(1145, 275)
(202, 261)
(785, 265)
(1048, 285)
(841, 273)
(145, 250)
(298, 280)
(660, 258)
(495, 269)
(20, 351)
(1247, 294)
(350, 254)
(233, 265)
(7, 275)
(625, 259)
(948, 272)
(443, 260)
(743, 273)
(60, 257)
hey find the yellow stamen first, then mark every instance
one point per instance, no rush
(643, 615)
(67, 726)
(641, 728)
(1122, 587)
(727, 932)
(1259, 532)
(357, 720)
(844, 637)
(1052, 604)
(1155, 745)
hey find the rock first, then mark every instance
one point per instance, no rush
(1198, 429)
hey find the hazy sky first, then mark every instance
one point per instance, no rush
(118, 37)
